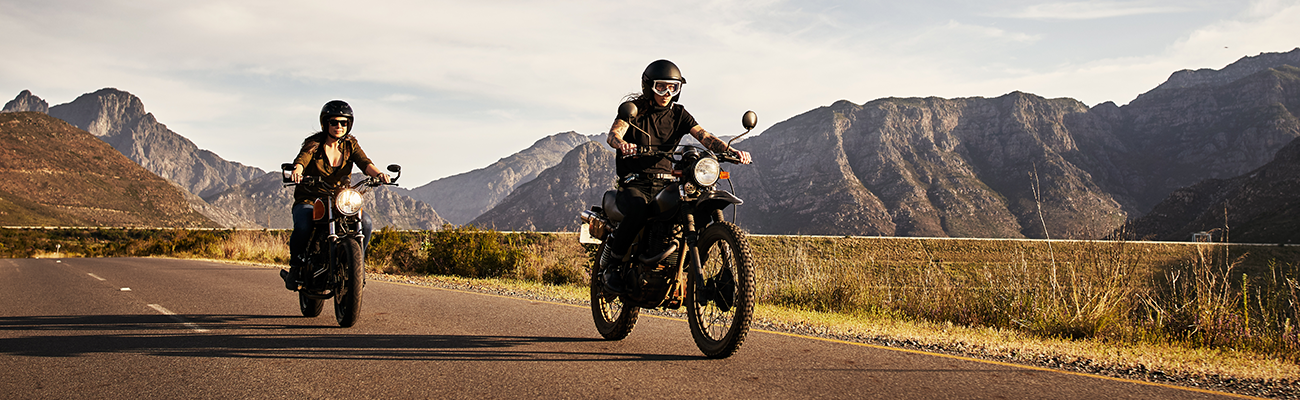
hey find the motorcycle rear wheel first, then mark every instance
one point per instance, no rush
(720, 319)
(614, 319)
(310, 307)
(347, 303)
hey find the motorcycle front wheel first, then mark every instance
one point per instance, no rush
(347, 303)
(614, 319)
(721, 307)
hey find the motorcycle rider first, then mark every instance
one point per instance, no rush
(330, 155)
(660, 124)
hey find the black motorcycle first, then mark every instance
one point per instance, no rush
(687, 253)
(336, 255)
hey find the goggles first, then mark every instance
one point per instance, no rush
(667, 87)
(338, 122)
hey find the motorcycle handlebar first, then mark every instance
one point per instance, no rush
(728, 157)
(316, 180)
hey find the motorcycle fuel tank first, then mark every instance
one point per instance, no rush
(667, 200)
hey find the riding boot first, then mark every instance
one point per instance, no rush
(613, 273)
(292, 278)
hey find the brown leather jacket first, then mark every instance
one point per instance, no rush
(315, 163)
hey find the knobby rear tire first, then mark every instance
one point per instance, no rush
(310, 307)
(614, 320)
(720, 321)
(347, 303)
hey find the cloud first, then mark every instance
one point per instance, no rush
(1093, 10)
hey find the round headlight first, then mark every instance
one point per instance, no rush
(348, 201)
(706, 171)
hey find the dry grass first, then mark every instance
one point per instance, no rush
(1195, 296)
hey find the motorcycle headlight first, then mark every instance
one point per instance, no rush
(706, 171)
(348, 202)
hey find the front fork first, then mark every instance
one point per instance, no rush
(693, 246)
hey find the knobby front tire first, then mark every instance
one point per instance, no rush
(614, 320)
(721, 307)
(347, 303)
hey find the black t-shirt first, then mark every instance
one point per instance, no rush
(664, 128)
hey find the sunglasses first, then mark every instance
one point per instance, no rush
(338, 122)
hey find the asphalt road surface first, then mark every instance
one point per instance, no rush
(163, 328)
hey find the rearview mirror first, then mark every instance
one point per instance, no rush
(285, 170)
(749, 121)
(627, 111)
(394, 168)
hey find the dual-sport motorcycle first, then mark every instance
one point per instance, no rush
(336, 255)
(687, 253)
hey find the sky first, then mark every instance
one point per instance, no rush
(445, 87)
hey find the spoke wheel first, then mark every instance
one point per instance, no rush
(347, 303)
(721, 307)
(613, 318)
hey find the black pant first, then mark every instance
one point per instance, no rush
(636, 201)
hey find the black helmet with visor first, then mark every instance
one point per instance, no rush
(335, 109)
(662, 78)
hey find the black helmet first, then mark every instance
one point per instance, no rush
(335, 109)
(660, 70)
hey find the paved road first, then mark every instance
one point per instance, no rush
(161, 328)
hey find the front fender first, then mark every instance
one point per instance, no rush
(716, 200)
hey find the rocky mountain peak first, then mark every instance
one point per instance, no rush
(106, 112)
(552, 201)
(1237, 70)
(26, 101)
(462, 197)
(120, 119)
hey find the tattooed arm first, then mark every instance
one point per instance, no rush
(615, 139)
(717, 145)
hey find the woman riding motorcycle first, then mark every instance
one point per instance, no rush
(328, 154)
(660, 124)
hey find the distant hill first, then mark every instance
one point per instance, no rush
(1018, 165)
(552, 200)
(265, 202)
(1175, 137)
(58, 175)
(462, 197)
(26, 101)
(119, 118)
(1261, 206)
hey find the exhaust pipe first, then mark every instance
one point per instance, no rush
(652, 260)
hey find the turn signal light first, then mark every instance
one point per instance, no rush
(724, 175)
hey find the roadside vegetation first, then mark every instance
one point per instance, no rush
(1187, 308)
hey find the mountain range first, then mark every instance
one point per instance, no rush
(1261, 206)
(219, 189)
(1017, 165)
(462, 197)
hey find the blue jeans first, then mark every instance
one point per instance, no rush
(302, 226)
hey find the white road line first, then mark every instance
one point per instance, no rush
(178, 318)
(96, 277)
